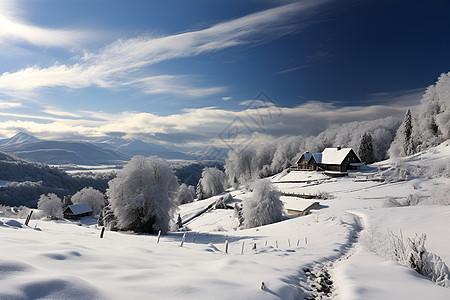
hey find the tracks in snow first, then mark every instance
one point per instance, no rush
(318, 279)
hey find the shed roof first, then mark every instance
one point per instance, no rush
(334, 156)
(79, 209)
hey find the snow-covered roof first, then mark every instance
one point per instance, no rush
(334, 156)
(81, 208)
(317, 156)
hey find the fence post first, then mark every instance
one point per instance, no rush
(306, 240)
(289, 243)
(182, 240)
(298, 242)
(254, 246)
(242, 249)
(103, 231)
(159, 235)
(265, 244)
(28, 218)
(226, 246)
(276, 243)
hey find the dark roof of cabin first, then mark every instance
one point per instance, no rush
(78, 209)
(317, 157)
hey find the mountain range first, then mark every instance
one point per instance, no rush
(102, 151)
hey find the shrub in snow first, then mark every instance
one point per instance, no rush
(410, 252)
(185, 194)
(221, 203)
(50, 205)
(413, 199)
(91, 196)
(440, 197)
(264, 206)
(212, 182)
(140, 195)
(392, 202)
(323, 195)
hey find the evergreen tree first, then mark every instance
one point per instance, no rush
(406, 128)
(199, 191)
(365, 151)
(179, 222)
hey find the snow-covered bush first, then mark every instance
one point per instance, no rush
(50, 205)
(212, 182)
(410, 252)
(91, 196)
(392, 202)
(264, 206)
(221, 203)
(441, 196)
(140, 195)
(323, 195)
(185, 194)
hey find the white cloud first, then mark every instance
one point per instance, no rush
(199, 127)
(171, 84)
(12, 28)
(226, 98)
(5, 104)
(115, 64)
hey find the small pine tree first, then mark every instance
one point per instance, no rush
(199, 191)
(179, 222)
(407, 133)
(366, 149)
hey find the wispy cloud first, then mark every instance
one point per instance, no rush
(113, 65)
(13, 28)
(6, 104)
(317, 58)
(199, 127)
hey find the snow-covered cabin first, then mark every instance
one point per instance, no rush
(77, 211)
(309, 161)
(331, 159)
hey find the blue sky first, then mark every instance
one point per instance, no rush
(183, 72)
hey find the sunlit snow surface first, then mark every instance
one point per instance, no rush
(60, 260)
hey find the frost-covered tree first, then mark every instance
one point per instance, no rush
(432, 125)
(185, 194)
(140, 195)
(213, 182)
(238, 165)
(91, 196)
(365, 151)
(264, 206)
(50, 205)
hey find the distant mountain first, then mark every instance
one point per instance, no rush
(60, 152)
(20, 138)
(103, 151)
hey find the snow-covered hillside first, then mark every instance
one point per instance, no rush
(340, 250)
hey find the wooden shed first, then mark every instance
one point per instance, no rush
(77, 211)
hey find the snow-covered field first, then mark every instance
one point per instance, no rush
(60, 260)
